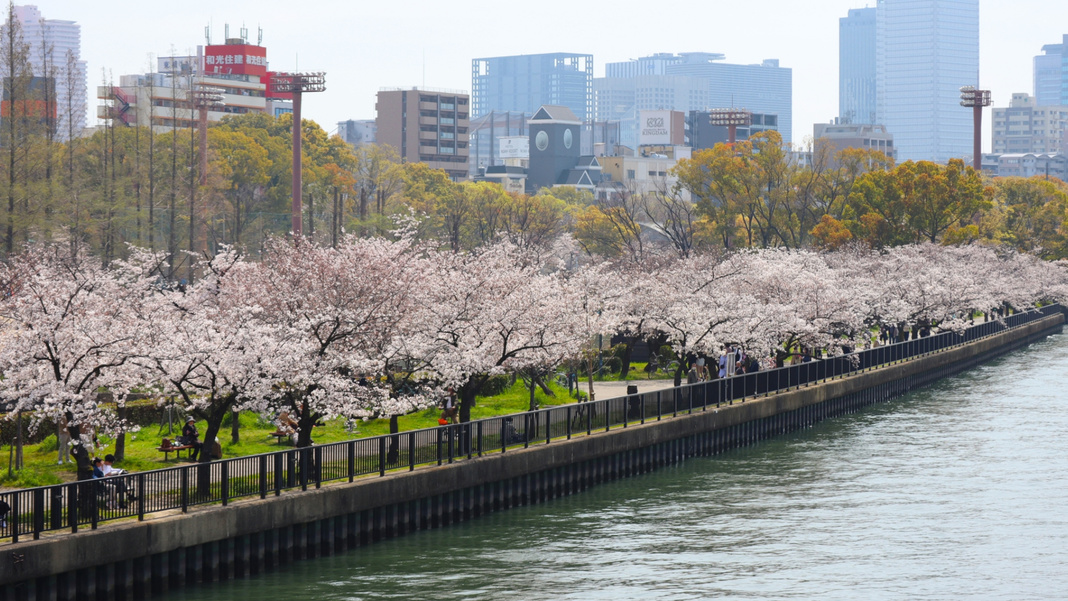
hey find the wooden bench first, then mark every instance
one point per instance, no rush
(176, 449)
(279, 435)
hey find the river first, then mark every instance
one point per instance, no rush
(957, 491)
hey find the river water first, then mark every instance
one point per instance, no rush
(957, 491)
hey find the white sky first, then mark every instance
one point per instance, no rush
(366, 45)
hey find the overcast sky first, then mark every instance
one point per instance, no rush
(366, 45)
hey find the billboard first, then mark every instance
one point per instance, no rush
(235, 59)
(654, 127)
(514, 147)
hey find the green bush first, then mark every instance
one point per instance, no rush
(613, 364)
(50, 444)
(496, 385)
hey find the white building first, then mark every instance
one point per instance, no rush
(55, 52)
(236, 70)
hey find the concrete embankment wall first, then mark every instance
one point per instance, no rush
(140, 559)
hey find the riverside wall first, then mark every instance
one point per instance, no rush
(138, 560)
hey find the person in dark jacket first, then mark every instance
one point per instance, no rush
(191, 437)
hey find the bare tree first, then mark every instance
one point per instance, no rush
(15, 63)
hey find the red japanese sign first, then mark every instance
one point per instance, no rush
(235, 59)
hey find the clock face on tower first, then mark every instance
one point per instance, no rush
(567, 138)
(541, 140)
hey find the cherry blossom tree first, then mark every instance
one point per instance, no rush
(211, 349)
(351, 307)
(496, 311)
(70, 328)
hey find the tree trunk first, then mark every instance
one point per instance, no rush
(467, 394)
(533, 387)
(544, 387)
(305, 424)
(394, 441)
(235, 427)
(18, 441)
(628, 351)
(120, 441)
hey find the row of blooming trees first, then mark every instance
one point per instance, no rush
(380, 327)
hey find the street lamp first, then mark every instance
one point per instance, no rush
(975, 99)
(204, 98)
(296, 84)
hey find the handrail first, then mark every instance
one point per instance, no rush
(89, 502)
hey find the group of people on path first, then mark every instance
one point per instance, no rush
(732, 361)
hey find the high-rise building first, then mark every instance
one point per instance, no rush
(926, 50)
(623, 98)
(765, 88)
(426, 126)
(54, 52)
(1026, 127)
(856, 66)
(524, 83)
(1051, 75)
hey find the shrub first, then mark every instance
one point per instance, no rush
(496, 385)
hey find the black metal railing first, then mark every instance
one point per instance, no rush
(87, 503)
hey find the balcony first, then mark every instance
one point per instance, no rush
(428, 135)
(428, 121)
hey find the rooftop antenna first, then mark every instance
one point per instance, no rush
(207, 34)
(226, 31)
(259, 38)
(244, 33)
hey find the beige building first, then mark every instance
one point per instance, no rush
(426, 126)
(855, 135)
(1024, 127)
(648, 173)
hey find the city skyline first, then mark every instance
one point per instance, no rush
(365, 48)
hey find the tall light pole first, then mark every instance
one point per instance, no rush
(204, 98)
(296, 84)
(731, 118)
(975, 99)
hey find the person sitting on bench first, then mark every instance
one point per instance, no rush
(190, 437)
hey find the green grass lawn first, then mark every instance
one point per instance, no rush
(40, 460)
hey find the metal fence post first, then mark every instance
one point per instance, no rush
(263, 476)
(72, 511)
(478, 434)
(185, 488)
(141, 497)
(224, 485)
(568, 422)
(15, 518)
(317, 455)
(38, 513)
